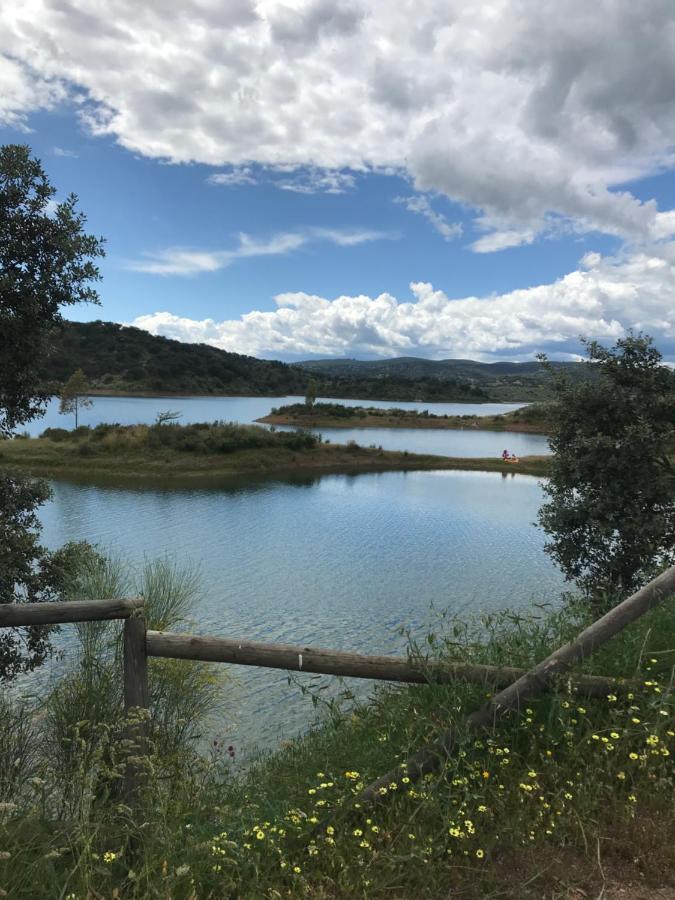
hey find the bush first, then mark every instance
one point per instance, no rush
(56, 434)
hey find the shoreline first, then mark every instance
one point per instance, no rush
(44, 458)
(475, 423)
(111, 392)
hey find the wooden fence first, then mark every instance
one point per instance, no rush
(517, 685)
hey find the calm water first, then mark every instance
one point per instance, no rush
(472, 442)
(338, 561)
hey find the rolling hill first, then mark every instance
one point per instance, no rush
(122, 359)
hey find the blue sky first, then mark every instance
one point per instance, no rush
(357, 207)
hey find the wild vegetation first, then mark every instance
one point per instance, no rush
(126, 360)
(214, 449)
(532, 418)
(568, 795)
(502, 381)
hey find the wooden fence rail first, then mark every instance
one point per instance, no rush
(16, 615)
(351, 665)
(530, 685)
(517, 685)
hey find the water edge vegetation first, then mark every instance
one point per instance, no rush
(208, 450)
(530, 419)
(570, 794)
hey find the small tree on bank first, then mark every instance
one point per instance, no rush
(610, 514)
(74, 395)
(310, 396)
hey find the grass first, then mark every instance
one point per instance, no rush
(220, 450)
(532, 418)
(566, 796)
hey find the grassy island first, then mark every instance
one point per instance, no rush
(530, 419)
(221, 449)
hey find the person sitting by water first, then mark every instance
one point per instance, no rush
(506, 454)
(513, 458)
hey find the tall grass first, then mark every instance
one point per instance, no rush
(565, 793)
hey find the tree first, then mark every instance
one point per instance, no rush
(610, 514)
(74, 395)
(310, 396)
(167, 416)
(46, 263)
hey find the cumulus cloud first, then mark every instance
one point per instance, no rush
(602, 299)
(23, 90)
(421, 205)
(186, 261)
(521, 110)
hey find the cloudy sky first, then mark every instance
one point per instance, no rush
(297, 178)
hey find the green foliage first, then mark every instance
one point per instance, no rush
(310, 395)
(28, 572)
(199, 438)
(74, 395)
(610, 514)
(46, 263)
(564, 780)
(121, 358)
(85, 708)
(116, 357)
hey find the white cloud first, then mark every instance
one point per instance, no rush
(316, 181)
(68, 154)
(186, 261)
(421, 205)
(23, 90)
(299, 180)
(520, 110)
(234, 178)
(602, 299)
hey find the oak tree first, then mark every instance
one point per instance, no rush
(610, 514)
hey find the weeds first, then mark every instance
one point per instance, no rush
(589, 782)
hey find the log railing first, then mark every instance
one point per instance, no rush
(517, 685)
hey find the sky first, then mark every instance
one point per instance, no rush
(362, 178)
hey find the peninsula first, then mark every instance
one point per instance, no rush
(532, 419)
(204, 452)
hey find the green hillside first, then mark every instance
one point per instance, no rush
(121, 359)
(118, 358)
(499, 380)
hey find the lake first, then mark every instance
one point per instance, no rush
(337, 561)
(471, 442)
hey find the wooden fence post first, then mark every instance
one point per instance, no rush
(136, 700)
(530, 685)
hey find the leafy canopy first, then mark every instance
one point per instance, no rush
(46, 263)
(610, 514)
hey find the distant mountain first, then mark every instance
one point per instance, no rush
(500, 380)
